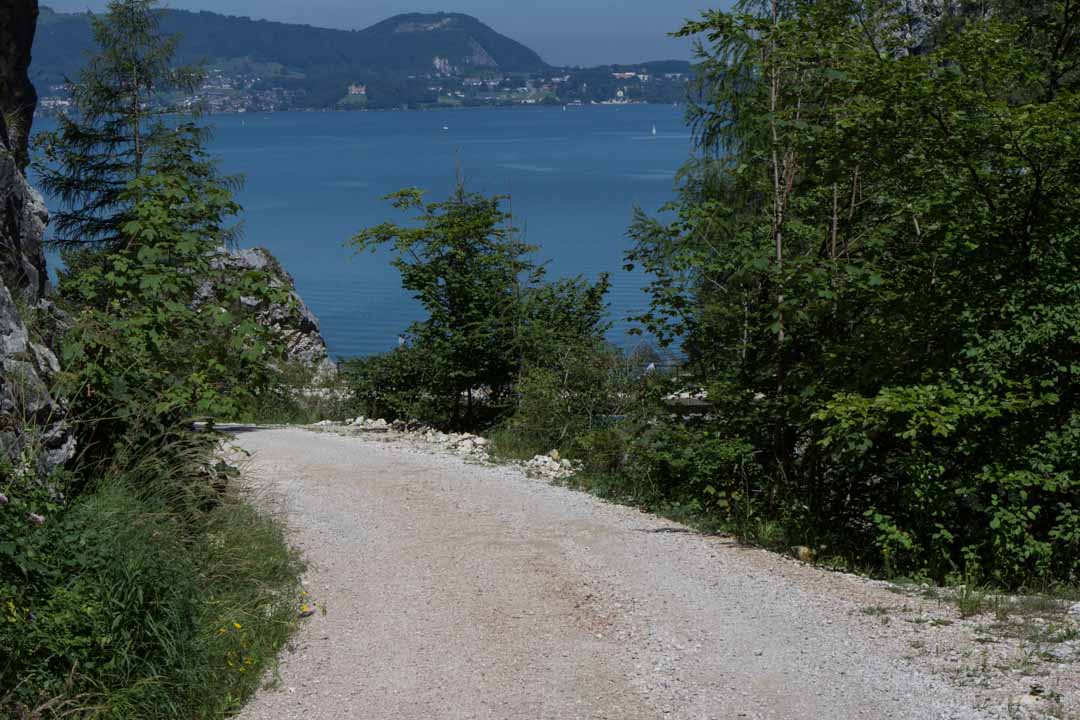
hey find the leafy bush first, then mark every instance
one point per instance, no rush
(143, 355)
(465, 263)
(960, 483)
(693, 465)
(295, 393)
(154, 595)
(396, 386)
(567, 393)
(872, 266)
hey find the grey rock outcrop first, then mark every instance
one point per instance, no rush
(23, 216)
(23, 219)
(293, 322)
(32, 428)
(925, 20)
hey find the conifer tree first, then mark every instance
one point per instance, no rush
(121, 99)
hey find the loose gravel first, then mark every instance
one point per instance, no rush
(454, 589)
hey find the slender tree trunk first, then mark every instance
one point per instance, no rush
(136, 122)
(778, 203)
(835, 220)
(783, 176)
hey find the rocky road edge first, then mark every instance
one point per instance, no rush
(1021, 654)
(471, 447)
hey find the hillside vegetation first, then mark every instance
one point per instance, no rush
(401, 43)
(871, 266)
(136, 578)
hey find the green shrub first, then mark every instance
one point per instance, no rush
(962, 483)
(693, 465)
(490, 313)
(154, 595)
(296, 394)
(602, 450)
(396, 386)
(142, 355)
(871, 264)
(571, 392)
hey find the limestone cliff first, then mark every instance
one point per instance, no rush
(31, 421)
(293, 322)
(22, 211)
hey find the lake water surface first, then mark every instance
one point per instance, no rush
(314, 179)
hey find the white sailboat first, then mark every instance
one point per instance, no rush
(654, 130)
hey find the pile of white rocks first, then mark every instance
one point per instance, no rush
(463, 444)
(471, 447)
(370, 424)
(551, 466)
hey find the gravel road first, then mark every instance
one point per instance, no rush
(456, 590)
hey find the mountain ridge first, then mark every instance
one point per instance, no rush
(407, 60)
(382, 46)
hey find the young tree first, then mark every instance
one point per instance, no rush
(120, 101)
(467, 265)
(161, 335)
(489, 311)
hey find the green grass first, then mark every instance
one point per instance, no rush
(971, 600)
(151, 596)
(507, 445)
(299, 398)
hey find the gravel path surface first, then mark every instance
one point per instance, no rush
(457, 590)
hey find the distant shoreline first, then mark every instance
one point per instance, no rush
(46, 113)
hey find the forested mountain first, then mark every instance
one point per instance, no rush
(413, 60)
(402, 43)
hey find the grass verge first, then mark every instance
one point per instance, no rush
(159, 593)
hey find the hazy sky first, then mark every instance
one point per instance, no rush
(564, 32)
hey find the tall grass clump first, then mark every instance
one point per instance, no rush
(297, 394)
(159, 592)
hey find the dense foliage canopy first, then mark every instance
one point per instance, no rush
(874, 271)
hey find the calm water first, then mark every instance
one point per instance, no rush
(314, 179)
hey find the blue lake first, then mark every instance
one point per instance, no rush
(575, 176)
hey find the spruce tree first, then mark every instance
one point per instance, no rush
(120, 99)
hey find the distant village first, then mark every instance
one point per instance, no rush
(567, 86)
(268, 89)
